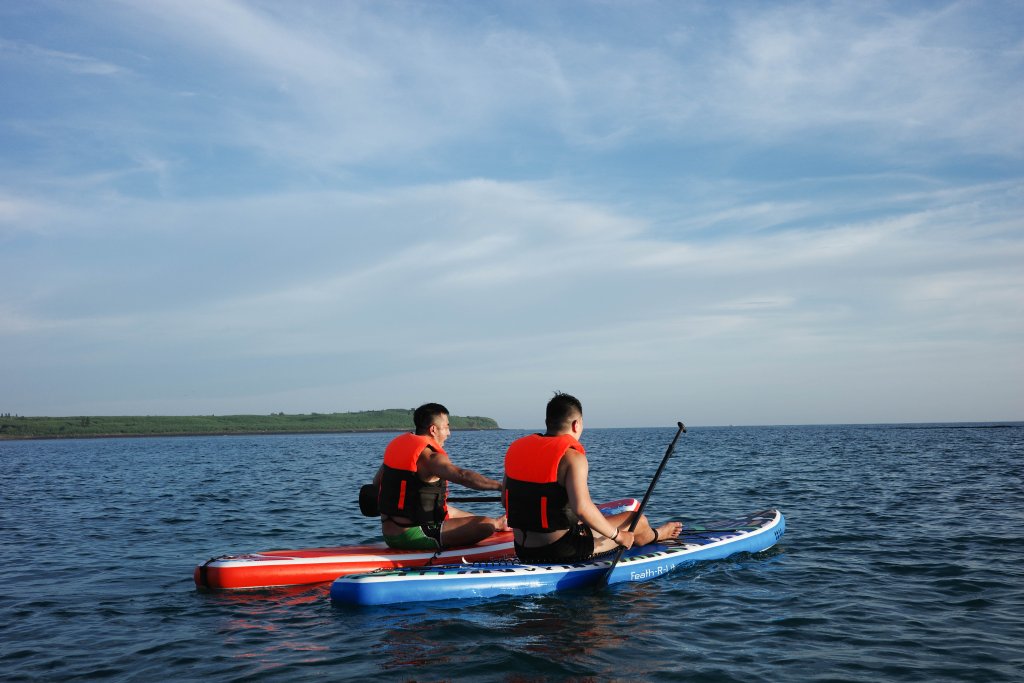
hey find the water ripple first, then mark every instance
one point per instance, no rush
(901, 562)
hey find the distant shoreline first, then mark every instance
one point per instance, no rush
(4, 437)
(18, 428)
(108, 427)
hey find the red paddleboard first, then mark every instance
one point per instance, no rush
(322, 565)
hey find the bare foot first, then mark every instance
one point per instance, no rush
(501, 524)
(669, 530)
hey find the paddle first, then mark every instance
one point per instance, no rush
(368, 500)
(643, 503)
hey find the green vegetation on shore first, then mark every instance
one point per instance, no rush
(394, 419)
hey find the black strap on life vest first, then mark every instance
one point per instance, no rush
(404, 494)
(537, 507)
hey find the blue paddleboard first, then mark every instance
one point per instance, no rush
(698, 542)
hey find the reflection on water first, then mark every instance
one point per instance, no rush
(271, 599)
(560, 634)
(258, 625)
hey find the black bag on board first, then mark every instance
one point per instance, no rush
(368, 501)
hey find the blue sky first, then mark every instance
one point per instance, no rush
(721, 213)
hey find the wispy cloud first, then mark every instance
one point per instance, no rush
(871, 75)
(512, 242)
(11, 50)
(908, 76)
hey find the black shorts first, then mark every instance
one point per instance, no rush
(576, 545)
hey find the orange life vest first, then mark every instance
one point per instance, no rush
(534, 500)
(402, 492)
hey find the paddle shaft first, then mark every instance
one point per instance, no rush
(369, 508)
(647, 496)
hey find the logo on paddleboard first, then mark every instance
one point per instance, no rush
(649, 573)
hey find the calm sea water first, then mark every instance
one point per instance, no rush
(903, 560)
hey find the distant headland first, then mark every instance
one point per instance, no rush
(390, 420)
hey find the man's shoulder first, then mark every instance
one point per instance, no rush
(573, 456)
(430, 451)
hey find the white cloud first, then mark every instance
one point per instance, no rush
(21, 214)
(361, 80)
(911, 76)
(496, 249)
(59, 60)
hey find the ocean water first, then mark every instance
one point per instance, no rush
(903, 560)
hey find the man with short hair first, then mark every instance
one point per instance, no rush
(547, 498)
(412, 486)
